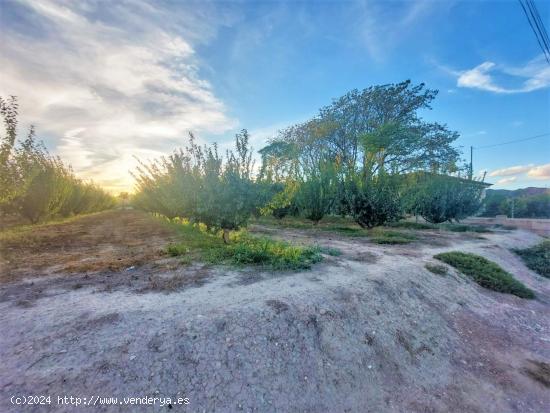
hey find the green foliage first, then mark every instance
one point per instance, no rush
(36, 185)
(316, 194)
(411, 225)
(333, 252)
(374, 200)
(384, 236)
(440, 198)
(486, 273)
(537, 258)
(197, 184)
(436, 268)
(243, 249)
(465, 228)
(521, 203)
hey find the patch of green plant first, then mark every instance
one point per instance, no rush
(411, 225)
(486, 273)
(436, 268)
(381, 235)
(243, 249)
(505, 227)
(537, 258)
(334, 252)
(465, 228)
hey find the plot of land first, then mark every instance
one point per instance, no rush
(93, 306)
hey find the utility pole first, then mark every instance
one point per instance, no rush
(471, 162)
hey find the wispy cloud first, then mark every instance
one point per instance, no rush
(108, 81)
(505, 181)
(382, 28)
(540, 172)
(532, 76)
(512, 170)
(525, 171)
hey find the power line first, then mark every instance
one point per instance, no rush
(533, 18)
(514, 141)
(539, 21)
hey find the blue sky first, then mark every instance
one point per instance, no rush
(107, 81)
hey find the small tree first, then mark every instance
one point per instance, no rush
(373, 200)
(440, 198)
(316, 193)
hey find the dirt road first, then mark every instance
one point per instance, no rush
(101, 313)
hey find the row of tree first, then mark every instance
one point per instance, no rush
(521, 203)
(36, 185)
(368, 155)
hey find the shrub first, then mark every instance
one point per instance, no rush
(486, 273)
(411, 225)
(243, 249)
(373, 201)
(384, 236)
(197, 184)
(440, 198)
(316, 193)
(436, 269)
(537, 258)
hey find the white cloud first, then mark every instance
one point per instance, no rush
(540, 172)
(534, 75)
(512, 170)
(111, 80)
(505, 181)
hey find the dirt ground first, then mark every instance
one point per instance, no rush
(92, 308)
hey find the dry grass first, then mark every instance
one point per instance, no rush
(107, 241)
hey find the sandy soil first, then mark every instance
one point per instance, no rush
(369, 331)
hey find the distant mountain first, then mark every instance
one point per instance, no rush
(520, 203)
(530, 191)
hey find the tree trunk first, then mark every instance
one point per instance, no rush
(225, 236)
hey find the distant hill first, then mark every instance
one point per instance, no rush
(528, 202)
(530, 191)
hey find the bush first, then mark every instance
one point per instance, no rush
(373, 201)
(197, 184)
(36, 185)
(486, 273)
(537, 258)
(440, 198)
(243, 249)
(436, 269)
(383, 236)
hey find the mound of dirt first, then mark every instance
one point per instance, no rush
(378, 334)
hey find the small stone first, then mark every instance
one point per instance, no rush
(322, 311)
(369, 367)
(132, 357)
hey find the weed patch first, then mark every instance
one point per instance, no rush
(537, 258)
(411, 225)
(384, 236)
(465, 228)
(243, 249)
(486, 273)
(333, 252)
(436, 269)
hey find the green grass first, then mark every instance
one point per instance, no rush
(412, 225)
(334, 252)
(381, 235)
(465, 228)
(196, 243)
(537, 258)
(486, 273)
(436, 268)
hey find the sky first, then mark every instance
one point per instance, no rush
(106, 82)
